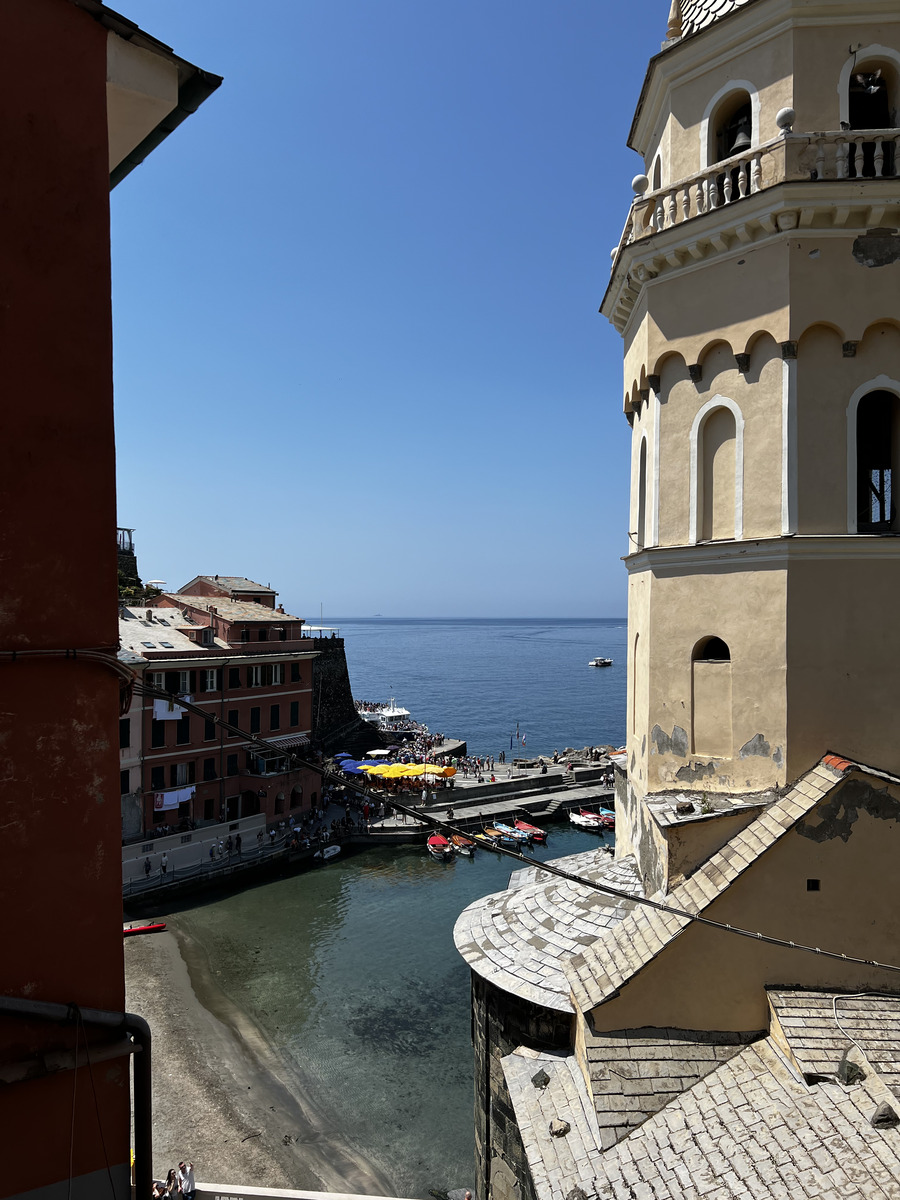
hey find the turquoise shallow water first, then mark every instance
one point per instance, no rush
(351, 969)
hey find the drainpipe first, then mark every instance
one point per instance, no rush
(135, 1027)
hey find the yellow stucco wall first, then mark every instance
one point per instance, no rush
(707, 979)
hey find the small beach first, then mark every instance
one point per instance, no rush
(222, 1096)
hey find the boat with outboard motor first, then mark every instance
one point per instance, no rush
(438, 847)
(462, 845)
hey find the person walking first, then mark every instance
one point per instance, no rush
(164, 863)
(147, 866)
(237, 845)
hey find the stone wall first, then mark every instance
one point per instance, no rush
(500, 1023)
(336, 725)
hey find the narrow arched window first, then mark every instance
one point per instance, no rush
(717, 462)
(872, 104)
(656, 183)
(877, 430)
(641, 530)
(731, 127)
(711, 698)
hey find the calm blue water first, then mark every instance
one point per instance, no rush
(351, 969)
(475, 678)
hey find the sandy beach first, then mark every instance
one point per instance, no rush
(222, 1095)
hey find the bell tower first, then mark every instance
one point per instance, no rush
(756, 286)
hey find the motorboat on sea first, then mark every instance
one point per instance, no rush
(438, 847)
(462, 845)
(327, 853)
(534, 832)
(600, 822)
(600, 662)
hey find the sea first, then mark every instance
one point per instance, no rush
(351, 970)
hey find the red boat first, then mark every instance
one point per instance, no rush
(536, 834)
(133, 930)
(439, 847)
(604, 817)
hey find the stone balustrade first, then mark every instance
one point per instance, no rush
(792, 157)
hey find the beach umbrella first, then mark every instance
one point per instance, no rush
(343, 754)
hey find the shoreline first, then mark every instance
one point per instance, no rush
(223, 1096)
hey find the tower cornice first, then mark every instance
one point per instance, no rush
(772, 553)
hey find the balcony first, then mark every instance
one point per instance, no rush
(708, 212)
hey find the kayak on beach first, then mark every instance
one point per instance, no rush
(152, 927)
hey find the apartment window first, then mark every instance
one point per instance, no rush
(255, 720)
(274, 716)
(210, 680)
(254, 676)
(124, 733)
(245, 635)
(263, 635)
(156, 679)
(209, 768)
(181, 774)
(295, 713)
(209, 730)
(206, 637)
(282, 635)
(231, 764)
(295, 672)
(157, 734)
(183, 730)
(233, 719)
(234, 677)
(180, 682)
(277, 670)
(124, 782)
(157, 778)
(209, 806)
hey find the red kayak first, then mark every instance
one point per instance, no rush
(537, 835)
(133, 930)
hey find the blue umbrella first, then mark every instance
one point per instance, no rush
(343, 754)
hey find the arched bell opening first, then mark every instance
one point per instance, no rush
(711, 731)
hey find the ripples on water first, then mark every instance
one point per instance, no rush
(351, 969)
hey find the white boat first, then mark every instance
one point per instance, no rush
(327, 853)
(391, 718)
(600, 662)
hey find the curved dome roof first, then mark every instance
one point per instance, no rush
(689, 16)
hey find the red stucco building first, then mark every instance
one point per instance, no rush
(85, 96)
(221, 643)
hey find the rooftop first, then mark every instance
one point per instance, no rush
(232, 610)
(232, 583)
(690, 16)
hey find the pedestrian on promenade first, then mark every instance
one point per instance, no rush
(237, 845)
(228, 845)
(186, 1180)
(259, 838)
(164, 862)
(147, 865)
(171, 1188)
(212, 852)
(424, 796)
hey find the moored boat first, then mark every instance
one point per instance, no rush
(484, 839)
(600, 662)
(509, 831)
(601, 821)
(326, 853)
(438, 847)
(502, 839)
(534, 832)
(462, 845)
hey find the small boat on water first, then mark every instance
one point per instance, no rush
(486, 840)
(438, 847)
(600, 822)
(151, 927)
(501, 838)
(519, 834)
(327, 853)
(600, 662)
(536, 834)
(462, 845)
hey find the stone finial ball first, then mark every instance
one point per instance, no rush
(639, 184)
(785, 118)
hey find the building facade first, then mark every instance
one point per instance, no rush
(688, 1021)
(86, 96)
(248, 665)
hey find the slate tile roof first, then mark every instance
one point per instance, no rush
(749, 1130)
(519, 939)
(698, 14)
(821, 1028)
(597, 972)
(232, 610)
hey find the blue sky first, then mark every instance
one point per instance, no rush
(357, 346)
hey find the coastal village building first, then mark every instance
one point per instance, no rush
(221, 644)
(86, 96)
(715, 1042)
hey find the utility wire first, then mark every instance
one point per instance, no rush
(550, 869)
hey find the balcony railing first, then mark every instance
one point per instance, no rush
(860, 154)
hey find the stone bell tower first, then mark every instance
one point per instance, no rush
(757, 289)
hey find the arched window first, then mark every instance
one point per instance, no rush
(869, 97)
(656, 182)
(731, 129)
(877, 429)
(717, 472)
(641, 528)
(711, 698)
(730, 125)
